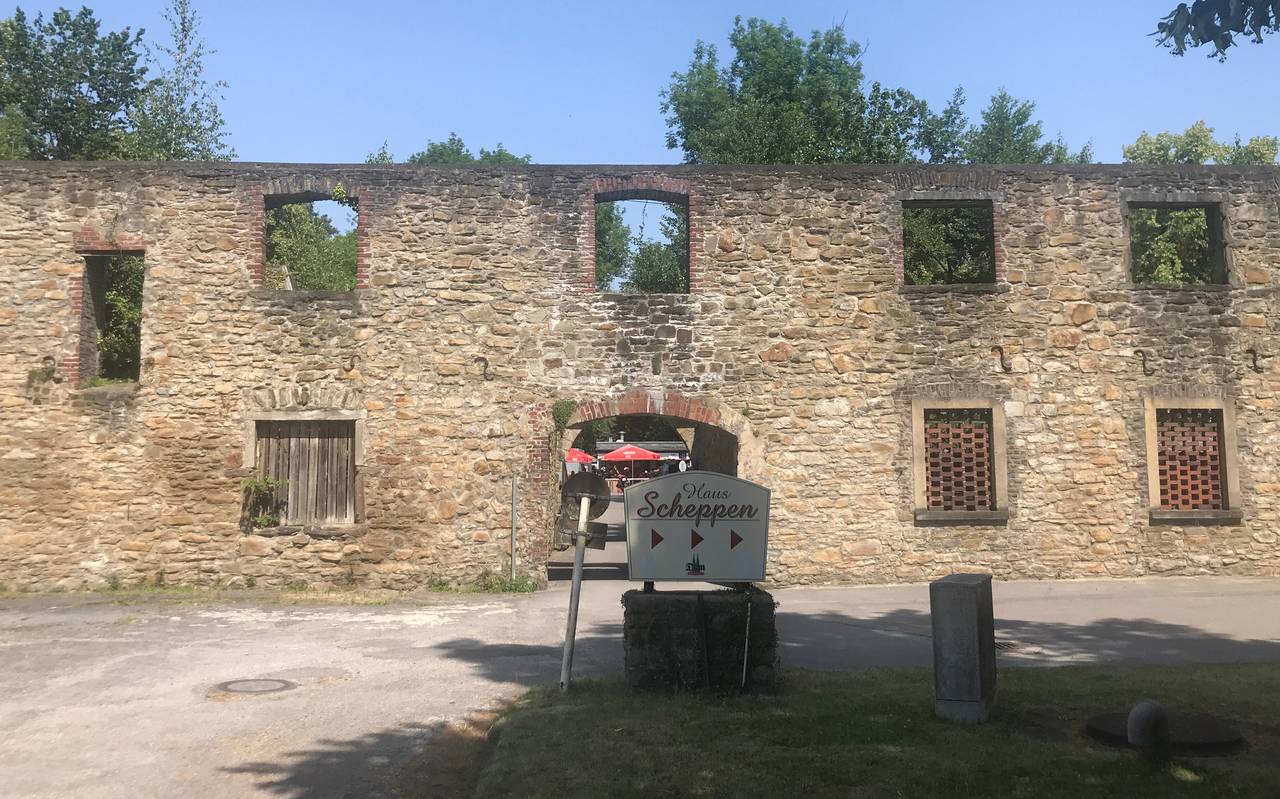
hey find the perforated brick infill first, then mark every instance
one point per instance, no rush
(1190, 446)
(959, 464)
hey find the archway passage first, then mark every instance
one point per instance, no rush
(677, 430)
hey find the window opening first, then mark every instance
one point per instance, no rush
(642, 246)
(111, 323)
(945, 243)
(959, 459)
(311, 242)
(1190, 447)
(315, 464)
(1172, 243)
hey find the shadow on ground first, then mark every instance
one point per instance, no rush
(443, 758)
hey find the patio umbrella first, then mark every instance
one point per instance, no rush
(575, 455)
(631, 453)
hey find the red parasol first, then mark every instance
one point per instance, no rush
(575, 455)
(630, 452)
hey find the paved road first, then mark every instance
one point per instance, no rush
(99, 699)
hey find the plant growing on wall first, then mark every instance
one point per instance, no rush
(261, 499)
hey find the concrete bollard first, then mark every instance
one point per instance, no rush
(964, 647)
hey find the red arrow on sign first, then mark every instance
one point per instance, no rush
(734, 539)
(694, 538)
(654, 538)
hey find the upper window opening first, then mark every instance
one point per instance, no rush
(111, 318)
(1175, 243)
(642, 243)
(948, 242)
(311, 242)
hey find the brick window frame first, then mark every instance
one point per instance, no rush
(1214, 206)
(1229, 464)
(288, 191)
(999, 513)
(637, 187)
(90, 243)
(358, 418)
(943, 198)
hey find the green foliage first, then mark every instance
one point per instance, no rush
(1217, 22)
(262, 500)
(562, 411)
(613, 250)
(66, 90)
(1170, 245)
(1197, 145)
(1008, 135)
(454, 151)
(381, 156)
(306, 252)
(177, 117)
(662, 267)
(944, 245)
(785, 101)
(120, 339)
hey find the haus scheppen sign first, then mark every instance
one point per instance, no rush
(697, 526)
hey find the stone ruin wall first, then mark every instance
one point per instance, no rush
(475, 314)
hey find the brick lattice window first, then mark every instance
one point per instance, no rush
(959, 459)
(1190, 459)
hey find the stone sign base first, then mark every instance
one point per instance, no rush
(693, 640)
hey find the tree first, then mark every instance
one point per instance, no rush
(1007, 135)
(177, 117)
(304, 248)
(67, 91)
(454, 151)
(785, 101)
(662, 267)
(1171, 245)
(1196, 145)
(1217, 22)
(613, 252)
(381, 156)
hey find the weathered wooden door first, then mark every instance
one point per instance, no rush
(316, 462)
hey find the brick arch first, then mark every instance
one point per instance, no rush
(638, 187)
(302, 189)
(663, 403)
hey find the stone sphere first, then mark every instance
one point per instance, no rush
(1148, 730)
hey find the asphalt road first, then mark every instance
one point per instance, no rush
(100, 699)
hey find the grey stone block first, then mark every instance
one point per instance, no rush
(964, 647)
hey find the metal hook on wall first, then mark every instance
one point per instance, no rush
(480, 359)
(998, 351)
(1146, 370)
(1254, 365)
(351, 363)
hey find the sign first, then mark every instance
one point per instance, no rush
(700, 526)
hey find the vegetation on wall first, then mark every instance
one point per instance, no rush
(119, 340)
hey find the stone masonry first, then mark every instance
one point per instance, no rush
(475, 315)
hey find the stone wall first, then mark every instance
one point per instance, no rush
(799, 339)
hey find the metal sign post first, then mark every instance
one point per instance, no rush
(592, 494)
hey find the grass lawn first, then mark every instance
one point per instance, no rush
(872, 733)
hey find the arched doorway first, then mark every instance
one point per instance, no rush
(711, 436)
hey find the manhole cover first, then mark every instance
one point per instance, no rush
(256, 686)
(1189, 733)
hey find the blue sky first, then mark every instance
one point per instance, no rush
(579, 82)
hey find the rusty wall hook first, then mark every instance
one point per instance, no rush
(998, 351)
(1254, 365)
(1146, 370)
(480, 359)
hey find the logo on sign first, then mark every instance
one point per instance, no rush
(694, 568)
